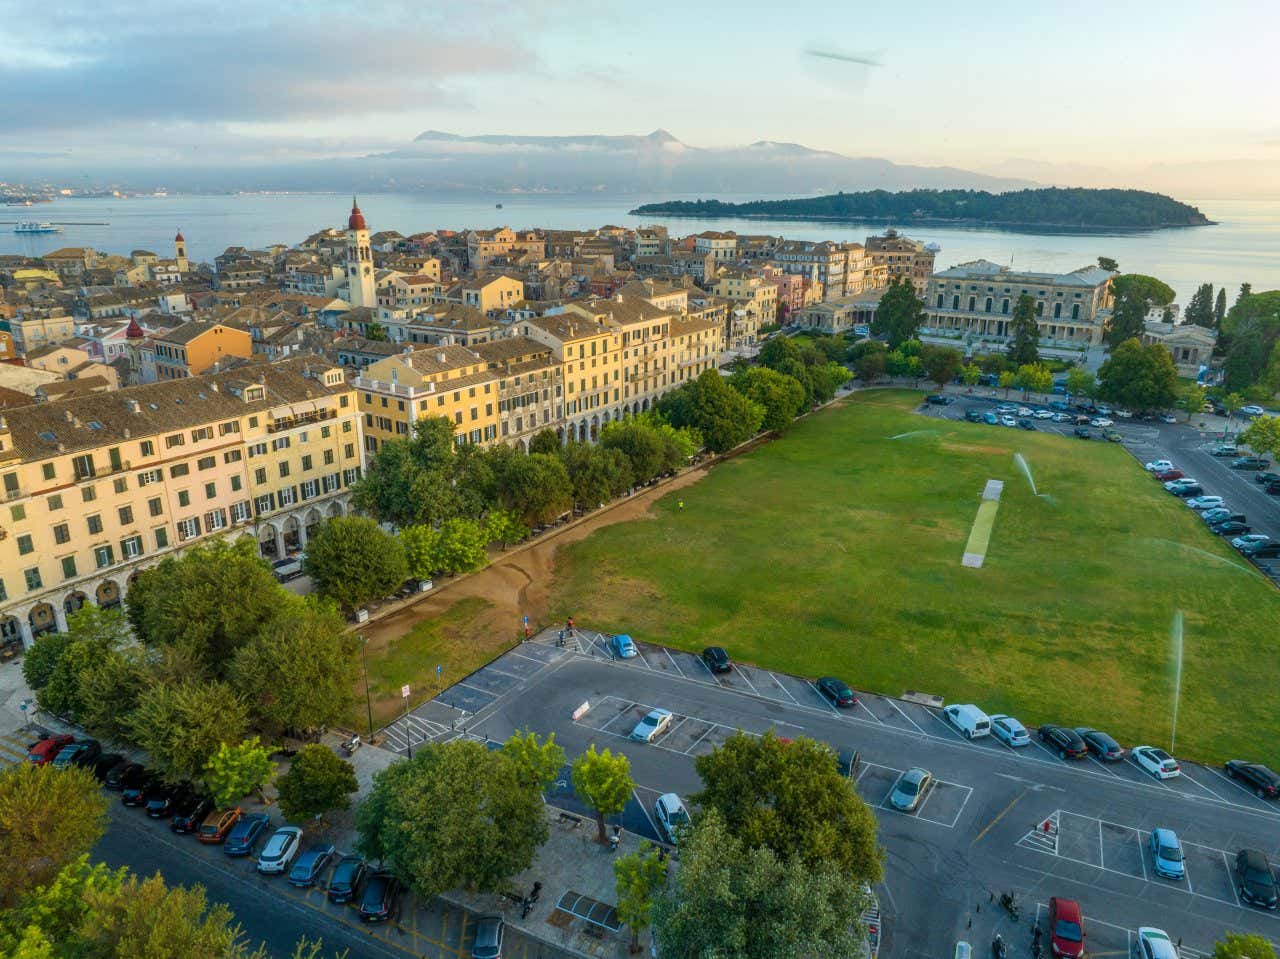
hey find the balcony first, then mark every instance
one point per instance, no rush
(302, 419)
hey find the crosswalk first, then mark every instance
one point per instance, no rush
(1043, 836)
(13, 749)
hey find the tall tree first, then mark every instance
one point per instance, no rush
(941, 363)
(182, 725)
(1193, 401)
(1220, 308)
(545, 441)
(900, 313)
(504, 527)
(234, 770)
(110, 688)
(1237, 945)
(603, 781)
(1200, 308)
(461, 546)
(352, 560)
(1262, 435)
(780, 396)
(1146, 289)
(1108, 264)
(1139, 377)
(537, 761)
(722, 415)
(535, 488)
(597, 473)
(208, 601)
(1245, 290)
(870, 366)
(1034, 378)
(791, 798)
(1024, 332)
(735, 901)
(1128, 320)
(318, 781)
(1081, 382)
(639, 876)
(456, 815)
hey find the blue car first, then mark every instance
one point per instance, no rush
(623, 647)
(244, 834)
(1166, 854)
(990, 418)
(309, 866)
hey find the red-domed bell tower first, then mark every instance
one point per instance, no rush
(360, 280)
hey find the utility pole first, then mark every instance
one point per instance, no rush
(368, 697)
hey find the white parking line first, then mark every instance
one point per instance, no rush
(1232, 782)
(905, 716)
(824, 698)
(1231, 878)
(747, 679)
(1142, 855)
(784, 689)
(673, 661)
(694, 744)
(868, 711)
(1102, 847)
(644, 809)
(621, 712)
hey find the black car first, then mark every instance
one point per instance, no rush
(163, 799)
(122, 772)
(488, 939)
(1065, 740)
(190, 813)
(1256, 776)
(381, 897)
(1026, 424)
(1253, 878)
(717, 659)
(1272, 488)
(83, 752)
(1266, 477)
(1268, 550)
(1250, 463)
(1100, 744)
(848, 761)
(938, 399)
(973, 416)
(348, 874)
(1187, 490)
(1083, 433)
(133, 791)
(1230, 527)
(104, 764)
(836, 691)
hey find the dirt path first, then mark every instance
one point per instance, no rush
(519, 584)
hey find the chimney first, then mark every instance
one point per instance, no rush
(134, 405)
(213, 385)
(618, 297)
(440, 357)
(127, 432)
(406, 351)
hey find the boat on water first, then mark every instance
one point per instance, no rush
(30, 226)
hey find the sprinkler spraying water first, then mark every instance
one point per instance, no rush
(1026, 471)
(903, 436)
(1200, 552)
(1175, 636)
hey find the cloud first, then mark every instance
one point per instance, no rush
(113, 64)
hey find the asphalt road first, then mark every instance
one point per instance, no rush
(978, 832)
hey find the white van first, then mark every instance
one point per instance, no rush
(969, 719)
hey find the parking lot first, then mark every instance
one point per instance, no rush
(978, 831)
(1188, 447)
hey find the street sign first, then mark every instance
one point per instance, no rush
(526, 620)
(439, 670)
(404, 692)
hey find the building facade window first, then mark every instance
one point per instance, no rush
(68, 567)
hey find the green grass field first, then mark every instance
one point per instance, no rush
(836, 549)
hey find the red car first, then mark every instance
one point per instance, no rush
(1066, 928)
(44, 751)
(1165, 476)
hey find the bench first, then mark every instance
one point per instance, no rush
(570, 819)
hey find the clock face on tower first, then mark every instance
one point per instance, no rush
(366, 271)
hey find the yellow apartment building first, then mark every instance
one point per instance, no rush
(190, 349)
(644, 329)
(590, 356)
(96, 488)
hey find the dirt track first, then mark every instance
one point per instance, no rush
(519, 583)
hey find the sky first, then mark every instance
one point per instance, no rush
(1173, 94)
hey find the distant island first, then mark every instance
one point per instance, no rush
(1051, 208)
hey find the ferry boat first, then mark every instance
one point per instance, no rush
(30, 226)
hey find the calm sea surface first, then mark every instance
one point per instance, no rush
(1243, 247)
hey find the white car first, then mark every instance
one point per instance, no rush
(1009, 731)
(1008, 421)
(1252, 410)
(1156, 761)
(1159, 466)
(1168, 418)
(1025, 411)
(1044, 414)
(280, 850)
(1104, 411)
(1154, 943)
(1062, 417)
(1124, 414)
(657, 722)
(670, 816)
(1101, 422)
(1185, 481)
(1205, 502)
(1250, 539)
(1004, 409)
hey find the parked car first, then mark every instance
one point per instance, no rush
(1272, 488)
(1159, 466)
(1112, 436)
(163, 799)
(1250, 540)
(190, 813)
(1065, 740)
(1059, 406)
(1124, 414)
(46, 750)
(655, 723)
(1205, 502)
(1009, 731)
(1262, 551)
(1100, 744)
(134, 791)
(1103, 410)
(1101, 422)
(1225, 450)
(218, 824)
(1230, 527)
(244, 834)
(279, 850)
(1066, 928)
(1250, 463)
(310, 865)
(623, 647)
(381, 897)
(1254, 880)
(1211, 516)
(1173, 484)
(1083, 432)
(1025, 411)
(1061, 417)
(1044, 414)
(1026, 424)
(82, 753)
(1253, 409)
(1263, 781)
(1156, 761)
(971, 721)
(488, 939)
(288, 568)
(837, 691)
(670, 816)
(973, 416)
(990, 418)
(104, 764)
(717, 659)
(1188, 491)
(1008, 421)
(114, 780)
(348, 874)
(1168, 476)
(1168, 418)
(939, 399)
(1006, 409)
(910, 789)
(1166, 854)
(1266, 477)
(1154, 943)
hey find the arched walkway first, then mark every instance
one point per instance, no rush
(267, 536)
(10, 630)
(335, 509)
(595, 428)
(313, 521)
(42, 620)
(108, 594)
(74, 601)
(292, 533)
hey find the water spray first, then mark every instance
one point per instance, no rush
(1175, 636)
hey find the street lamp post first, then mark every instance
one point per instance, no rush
(368, 697)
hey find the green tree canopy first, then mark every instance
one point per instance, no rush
(1236, 945)
(900, 313)
(1200, 307)
(941, 363)
(537, 761)
(504, 527)
(790, 797)
(413, 481)
(603, 781)
(545, 441)
(461, 546)
(970, 374)
(234, 770)
(1024, 332)
(734, 901)
(1034, 378)
(1263, 435)
(640, 876)
(780, 396)
(722, 415)
(597, 473)
(870, 366)
(318, 781)
(182, 725)
(1108, 264)
(352, 560)
(1220, 308)
(456, 815)
(1081, 382)
(208, 601)
(1139, 377)
(1128, 320)
(1193, 400)
(1147, 290)
(535, 488)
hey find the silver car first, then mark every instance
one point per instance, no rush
(910, 789)
(652, 726)
(1009, 731)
